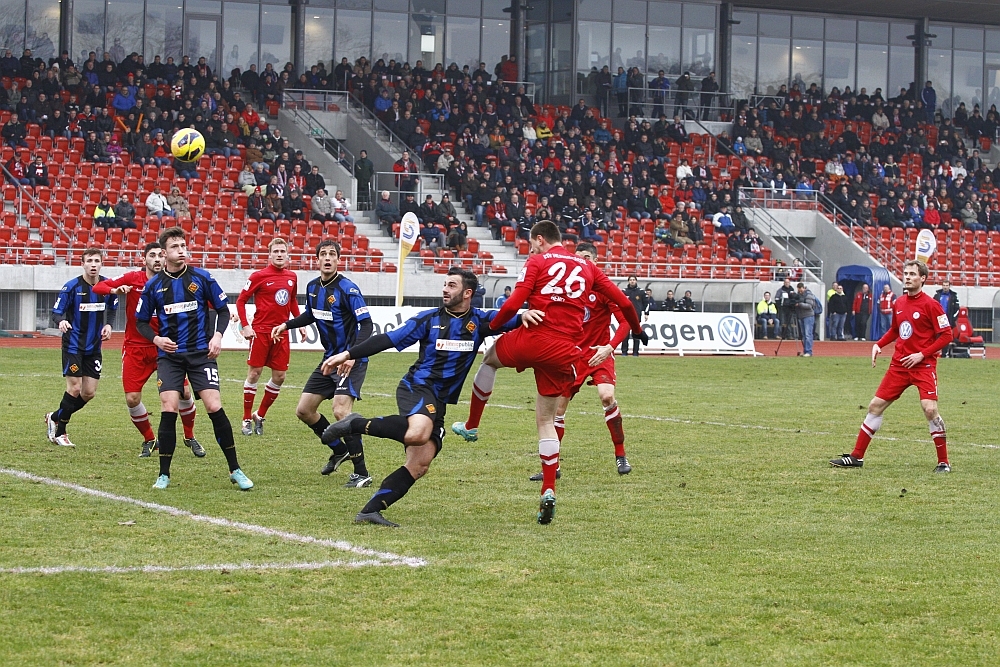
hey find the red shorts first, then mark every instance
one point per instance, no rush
(897, 379)
(603, 373)
(553, 359)
(138, 364)
(264, 351)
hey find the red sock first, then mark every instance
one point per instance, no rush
(940, 440)
(548, 452)
(249, 396)
(140, 418)
(482, 387)
(560, 424)
(270, 394)
(187, 418)
(479, 401)
(865, 434)
(613, 419)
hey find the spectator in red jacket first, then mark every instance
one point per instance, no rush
(886, 301)
(862, 311)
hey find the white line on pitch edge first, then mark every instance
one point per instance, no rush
(339, 545)
(205, 567)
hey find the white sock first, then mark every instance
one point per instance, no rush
(872, 423)
(185, 404)
(548, 450)
(138, 411)
(483, 383)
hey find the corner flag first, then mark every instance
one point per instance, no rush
(409, 228)
(926, 245)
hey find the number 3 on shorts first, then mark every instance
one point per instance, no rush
(213, 375)
(574, 285)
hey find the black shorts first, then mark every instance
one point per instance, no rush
(171, 370)
(82, 365)
(420, 400)
(332, 385)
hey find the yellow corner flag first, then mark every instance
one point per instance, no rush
(409, 228)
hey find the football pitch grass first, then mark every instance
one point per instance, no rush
(733, 542)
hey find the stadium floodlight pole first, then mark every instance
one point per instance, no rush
(409, 228)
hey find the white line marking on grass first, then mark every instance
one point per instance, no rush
(206, 567)
(339, 545)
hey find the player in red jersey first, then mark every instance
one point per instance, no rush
(560, 284)
(139, 355)
(921, 330)
(597, 367)
(273, 290)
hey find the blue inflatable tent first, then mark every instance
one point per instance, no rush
(851, 277)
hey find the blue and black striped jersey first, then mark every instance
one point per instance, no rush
(86, 312)
(336, 307)
(185, 306)
(448, 347)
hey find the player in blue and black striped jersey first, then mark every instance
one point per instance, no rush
(449, 338)
(193, 313)
(82, 317)
(335, 304)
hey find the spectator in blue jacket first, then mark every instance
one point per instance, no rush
(619, 85)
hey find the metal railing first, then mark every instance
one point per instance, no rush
(314, 128)
(650, 103)
(315, 100)
(765, 222)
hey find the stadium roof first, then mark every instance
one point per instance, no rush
(957, 11)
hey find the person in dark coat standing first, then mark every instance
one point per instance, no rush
(364, 170)
(637, 296)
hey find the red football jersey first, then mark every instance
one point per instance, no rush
(919, 324)
(274, 293)
(597, 323)
(137, 281)
(560, 284)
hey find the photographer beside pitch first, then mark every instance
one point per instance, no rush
(921, 330)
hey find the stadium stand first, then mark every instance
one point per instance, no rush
(656, 192)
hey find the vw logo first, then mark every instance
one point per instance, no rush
(732, 331)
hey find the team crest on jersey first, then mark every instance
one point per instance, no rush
(193, 287)
(430, 408)
(281, 297)
(593, 298)
(471, 327)
(330, 299)
(906, 329)
(74, 368)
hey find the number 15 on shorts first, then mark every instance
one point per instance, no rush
(212, 376)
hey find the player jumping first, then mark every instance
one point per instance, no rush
(562, 285)
(181, 298)
(81, 314)
(139, 355)
(273, 290)
(921, 330)
(599, 369)
(339, 310)
(449, 339)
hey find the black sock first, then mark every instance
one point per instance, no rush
(392, 427)
(393, 488)
(357, 450)
(224, 436)
(320, 426)
(67, 407)
(167, 438)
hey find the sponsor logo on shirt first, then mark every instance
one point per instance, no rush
(906, 329)
(324, 315)
(281, 297)
(91, 307)
(181, 307)
(358, 312)
(454, 345)
(943, 322)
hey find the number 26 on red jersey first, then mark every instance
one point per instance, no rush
(571, 286)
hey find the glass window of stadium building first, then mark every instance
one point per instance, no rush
(565, 42)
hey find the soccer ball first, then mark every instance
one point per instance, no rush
(187, 145)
